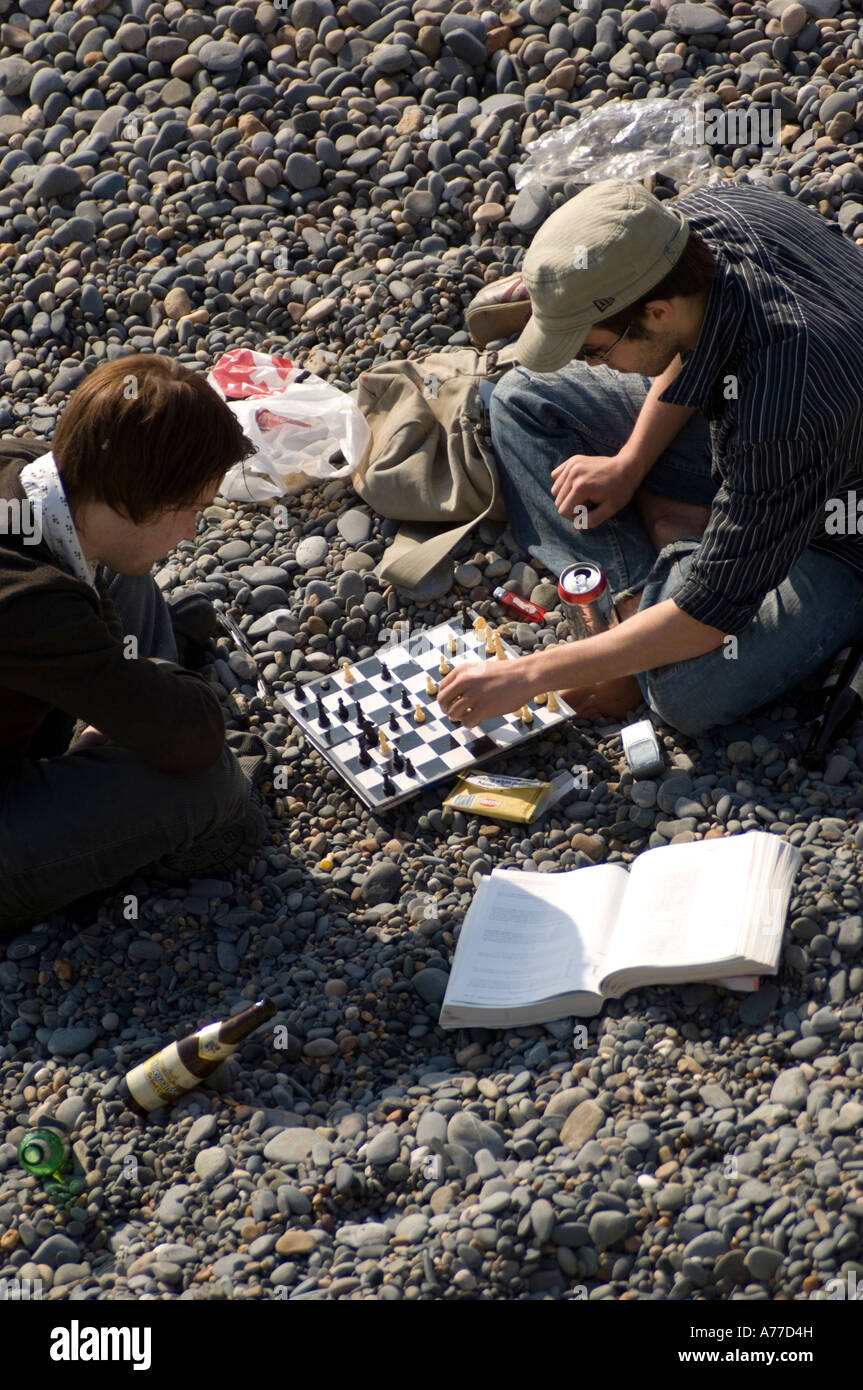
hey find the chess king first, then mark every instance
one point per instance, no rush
(146, 775)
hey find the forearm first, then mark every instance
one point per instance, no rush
(657, 424)
(658, 636)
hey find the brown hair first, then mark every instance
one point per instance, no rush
(144, 434)
(690, 274)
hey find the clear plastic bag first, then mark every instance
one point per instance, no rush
(624, 140)
(297, 423)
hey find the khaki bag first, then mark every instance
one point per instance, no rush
(429, 462)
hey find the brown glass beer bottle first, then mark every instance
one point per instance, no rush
(180, 1066)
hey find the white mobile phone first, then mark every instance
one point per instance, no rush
(641, 748)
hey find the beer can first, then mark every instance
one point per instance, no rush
(586, 600)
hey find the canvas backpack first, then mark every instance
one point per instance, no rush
(429, 462)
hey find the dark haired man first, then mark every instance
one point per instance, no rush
(741, 304)
(87, 644)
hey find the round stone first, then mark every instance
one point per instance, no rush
(212, 1164)
(311, 551)
(217, 55)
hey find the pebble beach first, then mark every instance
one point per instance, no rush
(335, 184)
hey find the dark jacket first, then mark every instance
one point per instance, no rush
(62, 659)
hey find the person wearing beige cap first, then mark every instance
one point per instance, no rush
(687, 408)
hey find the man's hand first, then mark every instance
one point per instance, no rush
(479, 690)
(602, 485)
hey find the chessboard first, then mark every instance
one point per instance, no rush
(383, 730)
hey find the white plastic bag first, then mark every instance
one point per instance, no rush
(624, 140)
(296, 422)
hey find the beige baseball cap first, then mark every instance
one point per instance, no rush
(602, 250)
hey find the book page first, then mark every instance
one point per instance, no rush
(530, 936)
(684, 905)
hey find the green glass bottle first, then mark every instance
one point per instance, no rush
(44, 1152)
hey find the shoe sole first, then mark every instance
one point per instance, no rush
(488, 322)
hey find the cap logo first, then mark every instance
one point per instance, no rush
(603, 303)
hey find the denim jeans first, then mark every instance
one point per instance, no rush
(84, 821)
(540, 419)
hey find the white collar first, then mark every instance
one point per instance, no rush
(43, 485)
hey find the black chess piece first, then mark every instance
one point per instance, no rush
(388, 784)
(394, 723)
(322, 715)
(385, 672)
(343, 711)
(405, 699)
(300, 693)
(365, 759)
(409, 768)
(398, 761)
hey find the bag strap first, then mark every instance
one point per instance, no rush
(414, 553)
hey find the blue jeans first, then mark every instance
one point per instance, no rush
(540, 419)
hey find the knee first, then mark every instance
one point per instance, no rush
(674, 702)
(502, 397)
(220, 794)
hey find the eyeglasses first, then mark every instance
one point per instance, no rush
(601, 357)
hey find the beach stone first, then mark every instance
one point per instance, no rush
(471, 1133)
(762, 1262)
(15, 76)
(56, 181)
(707, 1246)
(295, 1243)
(431, 985)
(413, 1228)
(291, 1146)
(431, 1127)
(607, 1228)
(68, 1042)
(55, 1250)
(220, 56)
(691, 19)
(356, 1235)
(311, 551)
(355, 526)
(382, 884)
(302, 172)
(542, 1219)
(755, 1192)
(790, 1089)
(581, 1125)
(203, 1128)
(170, 1210)
(384, 1148)
(212, 1164)
(465, 46)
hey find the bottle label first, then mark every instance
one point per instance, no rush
(160, 1079)
(210, 1047)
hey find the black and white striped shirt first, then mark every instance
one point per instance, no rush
(784, 321)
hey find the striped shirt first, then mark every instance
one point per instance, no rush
(783, 332)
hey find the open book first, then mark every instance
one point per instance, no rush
(538, 947)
